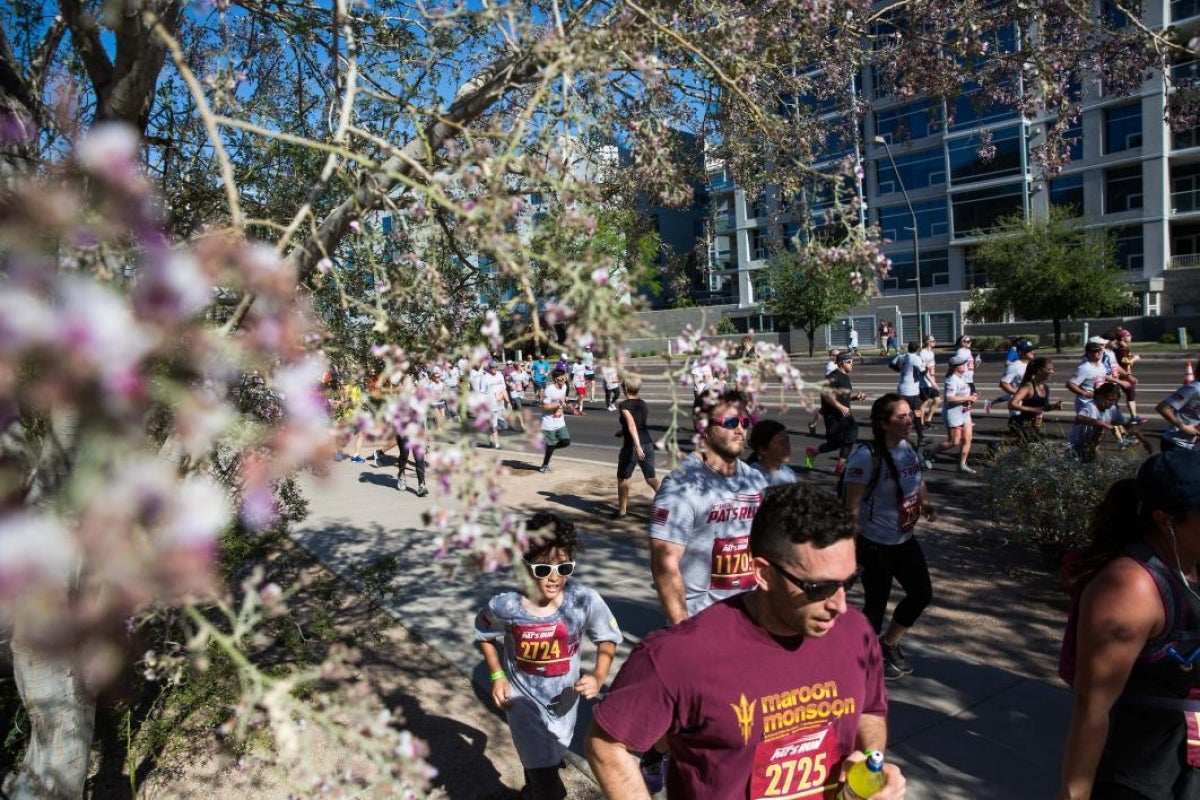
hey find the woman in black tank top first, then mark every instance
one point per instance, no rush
(1032, 401)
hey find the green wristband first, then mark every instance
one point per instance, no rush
(497, 675)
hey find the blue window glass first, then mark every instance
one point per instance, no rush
(1185, 188)
(1068, 191)
(966, 163)
(913, 121)
(895, 223)
(979, 211)
(1130, 247)
(1184, 9)
(1115, 18)
(1182, 140)
(1122, 128)
(935, 270)
(1122, 189)
(917, 171)
(971, 108)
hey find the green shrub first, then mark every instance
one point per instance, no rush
(724, 327)
(1168, 338)
(1045, 495)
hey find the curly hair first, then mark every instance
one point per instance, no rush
(797, 513)
(561, 534)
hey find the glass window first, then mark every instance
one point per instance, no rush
(935, 270)
(971, 108)
(1122, 128)
(974, 273)
(978, 211)
(759, 244)
(1184, 9)
(1122, 189)
(895, 223)
(1185, 188)
(1073, 136)
(917, 171)
(1068, 191)
(1115, 18)
(1129, 247)
(1004, 151)
(913, 121)
(1181, 140)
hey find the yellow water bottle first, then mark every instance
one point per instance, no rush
(865, 778)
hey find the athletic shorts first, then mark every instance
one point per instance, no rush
(556, 437)
(628, 458)
(928, 393)
(581, 391)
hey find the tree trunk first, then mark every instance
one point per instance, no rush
(1057, 335)
(810, 333)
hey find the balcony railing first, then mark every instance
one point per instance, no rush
(1185, 260)
(1185, 201)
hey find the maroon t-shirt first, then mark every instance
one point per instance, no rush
(749, 715)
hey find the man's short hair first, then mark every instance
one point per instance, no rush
(632, 384)
(1107, 390)
(558, 371)
(797, 513)
(710, 398)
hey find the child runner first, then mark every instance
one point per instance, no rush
(555, 435)
(1100, 413)
(531, 645)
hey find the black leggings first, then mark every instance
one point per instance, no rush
(418, 460)
(544, 783)
(611, 396)
(880, 564)
(914, 405)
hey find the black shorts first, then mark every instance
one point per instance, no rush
(628, 458)
(928, 393)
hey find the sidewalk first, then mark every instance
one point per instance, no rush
(958, 728)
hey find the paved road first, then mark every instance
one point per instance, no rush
(593, 434)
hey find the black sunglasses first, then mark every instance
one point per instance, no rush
(731, 423)
(542, 571)
(818, 590)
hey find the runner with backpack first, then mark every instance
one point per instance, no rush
(884, 490)
(911, 367)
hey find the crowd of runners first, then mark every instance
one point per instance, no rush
(765, 681)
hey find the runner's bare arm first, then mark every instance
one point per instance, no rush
(854, 496)
(588, 685)
(615, 767)
(668, 580)
(501, 689)
(872, 732)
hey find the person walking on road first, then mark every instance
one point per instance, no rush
(579, 383)
(761, 682)
(829, 369)
(1132, 637)
(930, 394)
(886, 495)
(531, 645)
(770, 452)
(957, 398)
(555, 435)
(1122, 350)
(841, 430)
(853, 345)
(637, 445)
(495, 392)
(911, 368)
(612, 384)
(1182, 412)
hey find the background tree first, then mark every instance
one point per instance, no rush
(1048, 268)
(809, 288)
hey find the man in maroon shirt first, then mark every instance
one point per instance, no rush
(769, 693)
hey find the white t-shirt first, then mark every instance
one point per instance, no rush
(911, 369)
(956, 415)
(578, 375)
(517, 382)
(1014, 373)
(493, 388)
(884, 516)
(1085, 378)
(554, 420)
(611, 380)
(853, 338)
(710, 515)
(965, 352)
(1186, 402)
(930, 362)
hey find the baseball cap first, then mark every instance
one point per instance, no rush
(1100, 340)
(1170, 481)
(1025, 346)
(956, 360)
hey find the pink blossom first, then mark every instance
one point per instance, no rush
(355, 226)
(172, 289)
(600, 276)
(324, 266)
(110, 152)
(34, 548)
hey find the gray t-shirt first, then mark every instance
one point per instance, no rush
(912, 366)
(710, 515)
(1186, 402)
(1085, 378)
(541, 657)
(780, 477)
(885, 516)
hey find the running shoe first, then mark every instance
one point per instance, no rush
(926, 460)
(965, 470)
(422, 490)
(377, 458)
(891, 672)
(401, 485)
(1137, 421)
(810, 456)
(544, 469)
(893, 655)
(358, 459)
(654, 770)
(812, 429)
(1123, 443)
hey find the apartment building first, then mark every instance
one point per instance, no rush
(1129, 174)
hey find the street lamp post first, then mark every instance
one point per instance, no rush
(916, 244)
